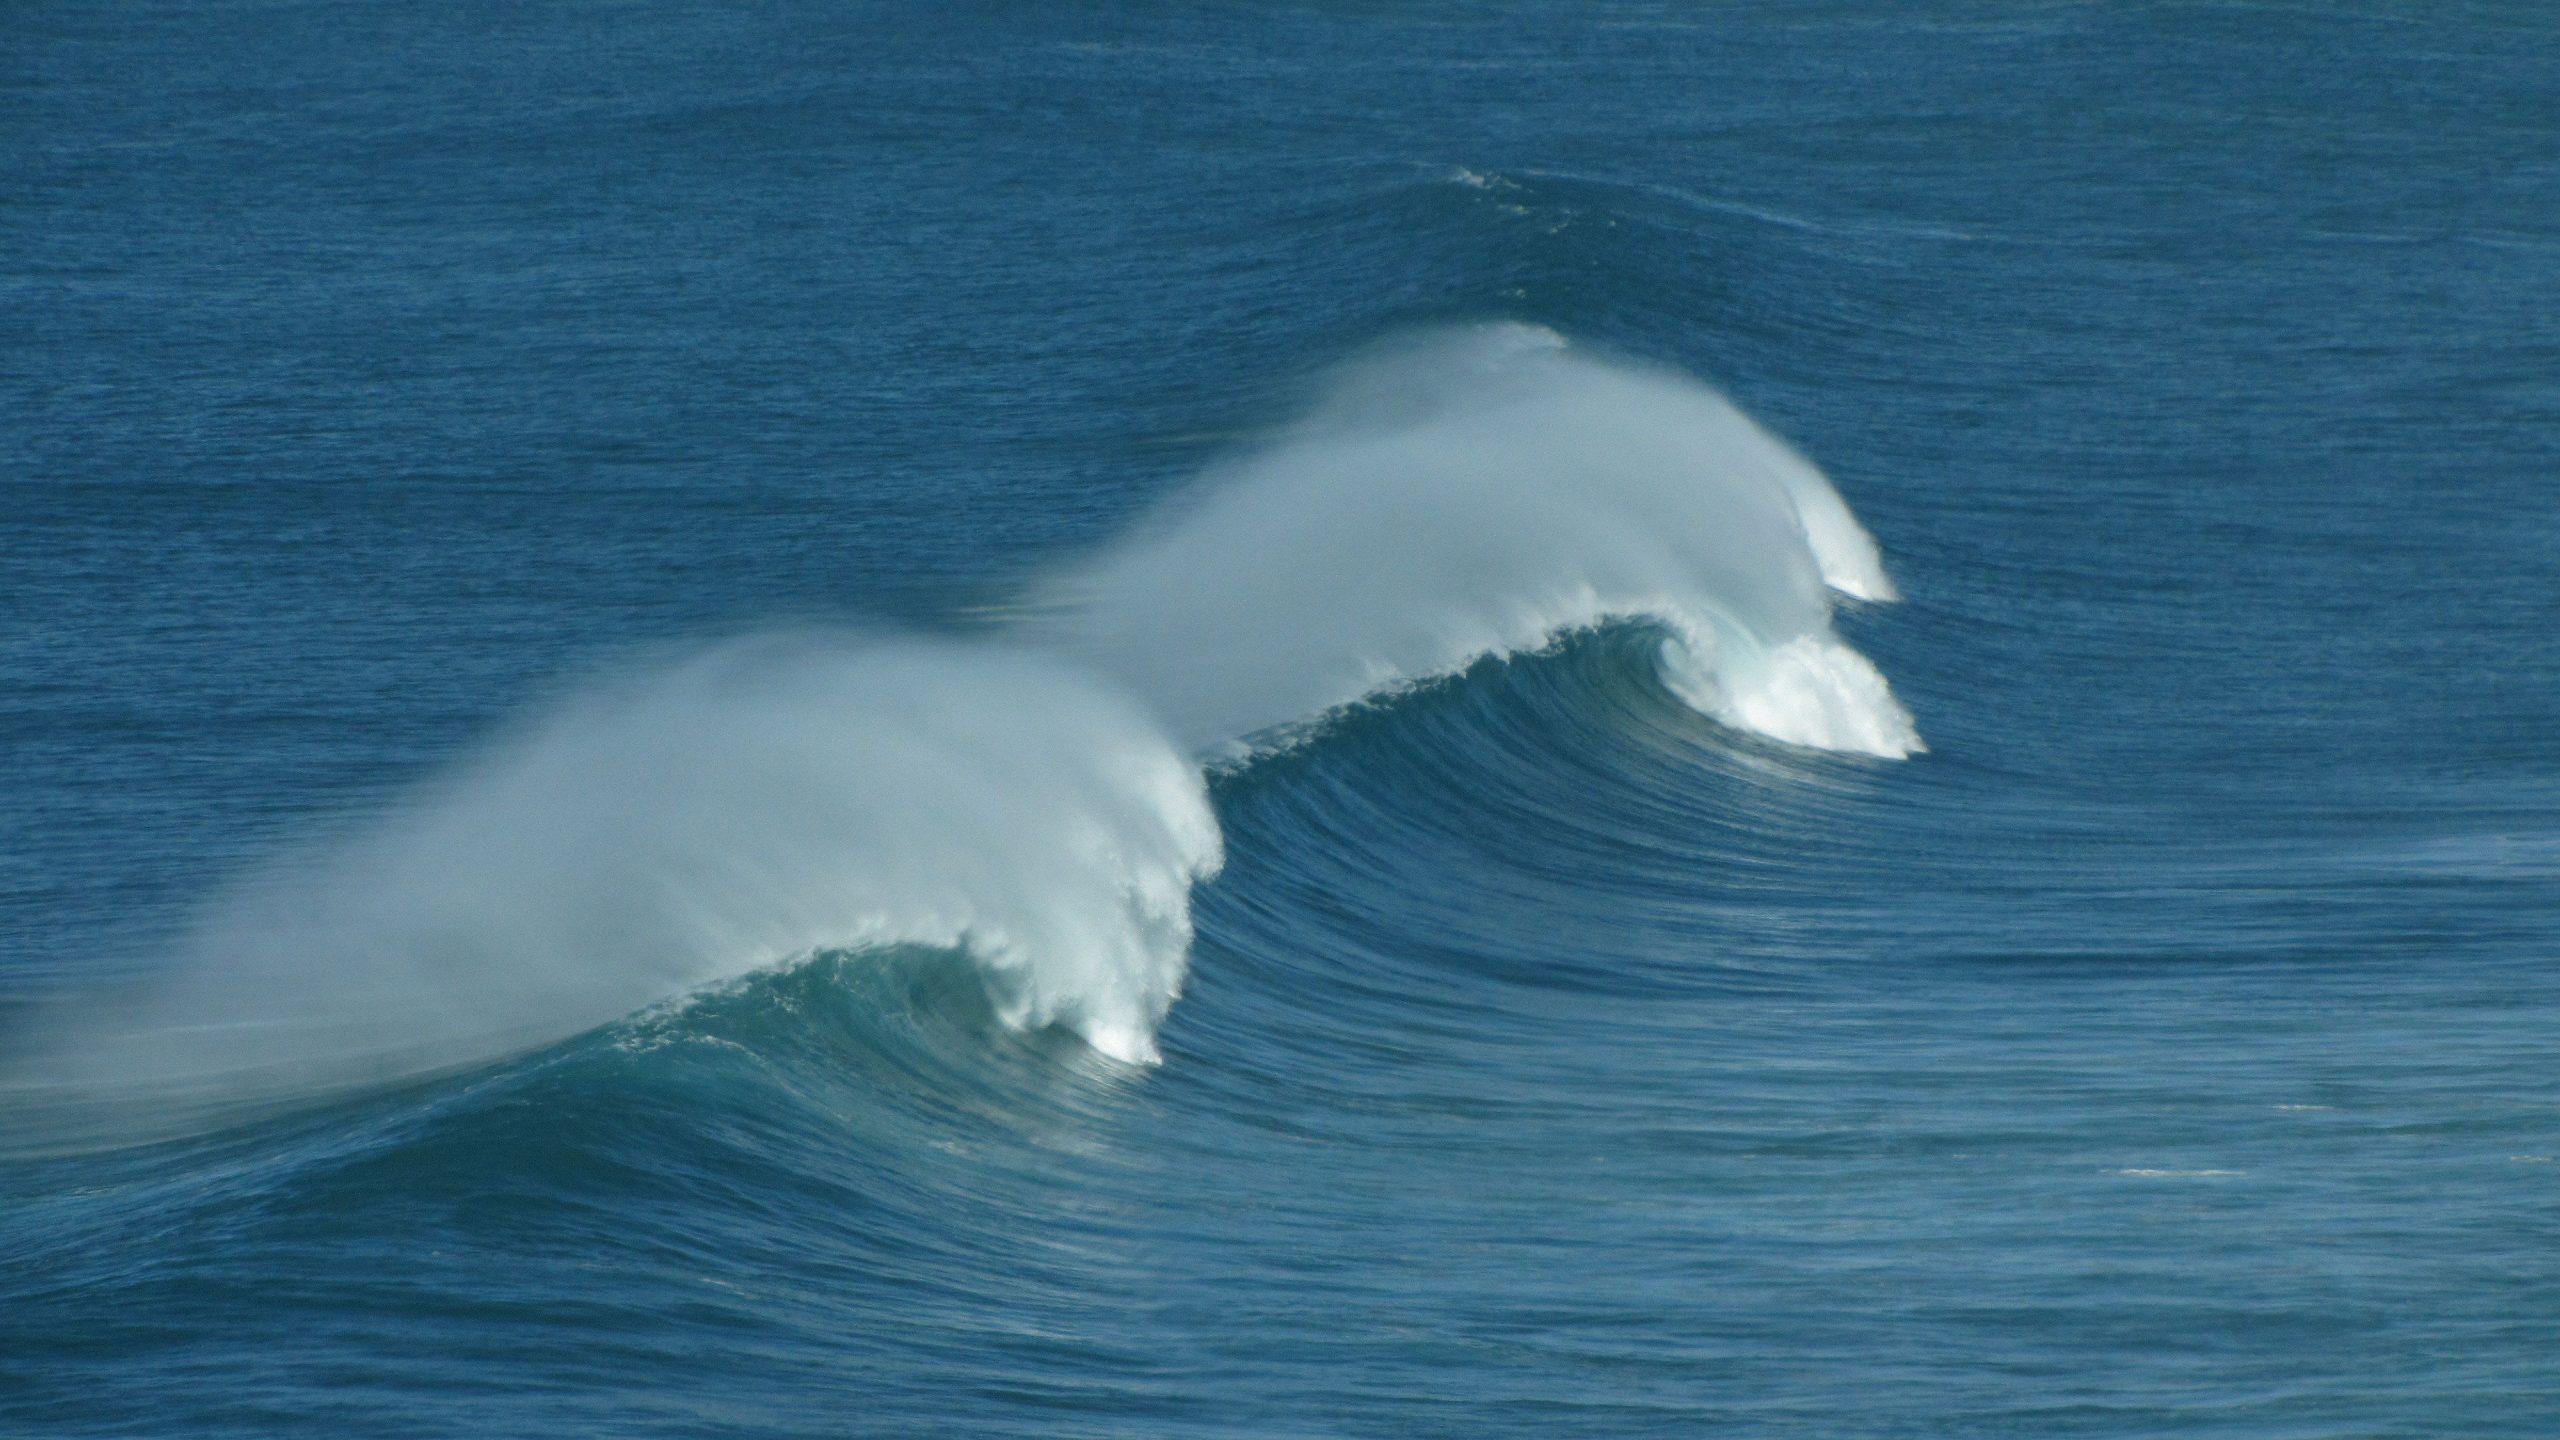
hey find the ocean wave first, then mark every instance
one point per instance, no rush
(1035, 802)
(1479, 493)
(742, 809)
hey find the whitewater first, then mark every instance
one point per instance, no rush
(1034, 801)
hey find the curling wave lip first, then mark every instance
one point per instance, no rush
(1482, 492)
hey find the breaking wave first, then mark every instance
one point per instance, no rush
(748, 807)
(1037, 803)
(1482, 493)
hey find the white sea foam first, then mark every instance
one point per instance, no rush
(2140, 1173)
(1480, 493)
(739, 810)
(1470, 494)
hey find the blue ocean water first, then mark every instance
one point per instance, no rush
(1006, 720)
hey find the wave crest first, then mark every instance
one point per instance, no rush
(1038, 805)
(738, 811)
(1481, 493)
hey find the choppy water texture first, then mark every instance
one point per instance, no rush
(1007, 721)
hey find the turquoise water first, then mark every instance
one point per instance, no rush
(839, 720)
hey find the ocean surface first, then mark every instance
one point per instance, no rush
(1251, 720)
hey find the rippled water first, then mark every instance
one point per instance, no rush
(455, 985)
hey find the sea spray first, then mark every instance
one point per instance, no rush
(1482, 492)
(1035, 804)
(743, 808)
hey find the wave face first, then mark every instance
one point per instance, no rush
(744, 808)
(1482, 492)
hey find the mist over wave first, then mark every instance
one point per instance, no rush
(1483, 492)
(1039, 804)
(739, 810)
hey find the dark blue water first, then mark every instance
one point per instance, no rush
(2168, 1049)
